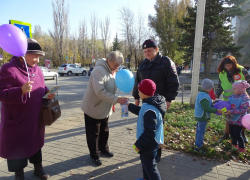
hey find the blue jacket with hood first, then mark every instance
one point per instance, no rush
(150, 121)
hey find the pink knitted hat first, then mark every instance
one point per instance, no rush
(241, 85)
(147, 87)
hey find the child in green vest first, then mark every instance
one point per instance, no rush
(203, 108)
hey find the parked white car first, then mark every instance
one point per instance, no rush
(71, 69)
(47, 73)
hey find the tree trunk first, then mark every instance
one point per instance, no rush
(205, 65)
(135, 58)
(209, 59)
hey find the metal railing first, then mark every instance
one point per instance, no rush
(51, 77)
(182, 90)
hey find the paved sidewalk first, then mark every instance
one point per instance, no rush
(66, 156)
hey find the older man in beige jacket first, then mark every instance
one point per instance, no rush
(97, 104)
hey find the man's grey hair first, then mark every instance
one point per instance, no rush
(116, 56)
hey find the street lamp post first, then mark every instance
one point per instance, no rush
(197, 49)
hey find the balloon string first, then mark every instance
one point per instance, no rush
(127, 117)
(27, 71)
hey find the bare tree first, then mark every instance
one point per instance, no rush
(61, 26)
(94, 33)
(46, 43)
(37, 32)
(127, 21)
(74, 47)
(66, 40)
(140, 36)
(82, 41)
(105, 33)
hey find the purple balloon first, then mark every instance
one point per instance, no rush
(222, 104)
(13, 40)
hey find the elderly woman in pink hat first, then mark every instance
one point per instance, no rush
(21, 135)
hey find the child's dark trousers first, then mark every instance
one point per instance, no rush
(235, 134)
(149, 165)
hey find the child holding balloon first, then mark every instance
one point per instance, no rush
(203, 108)
(239, 102)
(149, 127)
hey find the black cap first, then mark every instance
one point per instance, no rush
(149, 43)
(34, 47)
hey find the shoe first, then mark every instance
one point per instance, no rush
(242, 149)
(108, 153)
(19, 175)
(199, 150)
(39, 172)
(244, 137)
(225, 136)
(158, 155)
(97, 162)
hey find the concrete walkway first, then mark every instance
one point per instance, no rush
(66, 156)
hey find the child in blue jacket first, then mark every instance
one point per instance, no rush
(149, 127)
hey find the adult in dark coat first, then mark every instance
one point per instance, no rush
(21, 135)
(178, 68)
(160, 69)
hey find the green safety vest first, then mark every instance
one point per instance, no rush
(226, 85)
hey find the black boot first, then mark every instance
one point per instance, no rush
(225, 136)
(97, 162)
(39, 171)
(19, 175)
(108, 153)
(158, 155)
(244, 137)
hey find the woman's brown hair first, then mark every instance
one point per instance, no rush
(228, 60)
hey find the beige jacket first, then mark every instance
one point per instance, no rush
(100, 94)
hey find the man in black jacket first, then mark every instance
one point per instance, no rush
(160, 69)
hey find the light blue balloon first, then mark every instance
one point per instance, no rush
(125, 80)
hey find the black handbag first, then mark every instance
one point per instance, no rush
(50, 112)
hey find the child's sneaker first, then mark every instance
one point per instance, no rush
(199, 150)
(242, 149)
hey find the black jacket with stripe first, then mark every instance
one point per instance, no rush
(163, 72)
